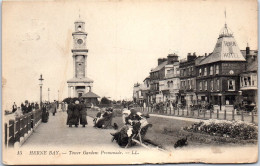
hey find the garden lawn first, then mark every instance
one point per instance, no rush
(166, 132)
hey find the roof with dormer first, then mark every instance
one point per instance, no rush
(80, 80)
(226, 49)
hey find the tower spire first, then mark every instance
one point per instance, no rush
(225, 18)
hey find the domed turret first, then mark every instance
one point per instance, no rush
(225, 32)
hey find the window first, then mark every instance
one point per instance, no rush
(200, 84)
(205, 71)
(205, 85)
(191, 83)
(188, 84)
(211, 85)
(231, 85)
(217, 69)
(249, 81)
(245, 81)
(200, 72)
(218, 85)
(211, 70)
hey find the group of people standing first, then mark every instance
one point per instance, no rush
(77, 114)
(26, 107)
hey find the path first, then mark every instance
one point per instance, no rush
(57, 133)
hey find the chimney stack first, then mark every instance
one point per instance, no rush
(247, 50)
(191, 57)
(171, 58)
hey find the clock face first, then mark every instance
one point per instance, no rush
(79, 41)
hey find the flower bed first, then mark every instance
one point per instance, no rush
(239, 130)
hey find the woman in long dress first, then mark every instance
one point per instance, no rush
(45, 114)
(70, 114)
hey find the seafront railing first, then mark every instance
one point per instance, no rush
(18, 129)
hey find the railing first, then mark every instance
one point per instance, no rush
(203, 113)
(18, 128)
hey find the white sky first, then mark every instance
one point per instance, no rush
(125, 39)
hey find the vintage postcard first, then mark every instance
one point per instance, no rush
(129, 81)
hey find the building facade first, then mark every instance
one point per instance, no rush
(248, 79)
(187, 92)
(168, 86)
(218, 74)
(156, 75)
(217, 78)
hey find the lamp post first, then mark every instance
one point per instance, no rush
(41, 79)
(58, 95)
(48, 94)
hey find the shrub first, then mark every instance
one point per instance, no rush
(223, 128)
(105, 100)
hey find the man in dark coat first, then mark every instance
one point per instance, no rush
(70, 114)
(83, 114)
(14, 107)
(26, 107)
(36, 106)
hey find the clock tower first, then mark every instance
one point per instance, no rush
(80, 83)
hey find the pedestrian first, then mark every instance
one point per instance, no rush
(30, 107)
(14, 107)
(53, 108)
(18, 112)
(36, 106)
(76, 113)
(83, 114)
(45, 113)
(22, 105)
(70, 113)
(26, 108)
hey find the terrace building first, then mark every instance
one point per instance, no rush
(218, 75)
(169, 86)
(248, 79)
(156, 75)
(188, 79)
